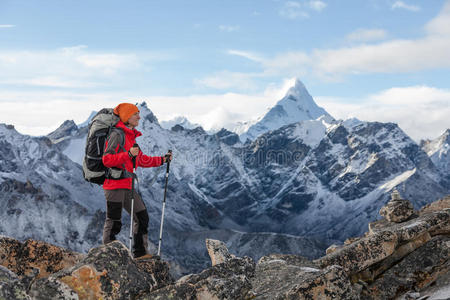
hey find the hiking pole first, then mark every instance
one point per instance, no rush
(132, 201)
(164, 205)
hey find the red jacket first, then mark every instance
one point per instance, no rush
(113, 158)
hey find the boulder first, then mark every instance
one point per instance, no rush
(35, 258)
(107, 272)
(363, 253)
(397, 211)
(415, 271)
(436, 222)
(295, 277)
(228, 280)
(218, 251)
(11, 287)
(439, 205)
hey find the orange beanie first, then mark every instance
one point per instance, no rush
(125, 111)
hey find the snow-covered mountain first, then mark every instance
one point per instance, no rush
(297, 105)
(179, 120)
(439, 152)
(313, 178)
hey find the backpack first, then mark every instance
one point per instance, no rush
(100, 127)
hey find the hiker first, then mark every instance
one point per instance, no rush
(118, 191)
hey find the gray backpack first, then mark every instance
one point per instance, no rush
(99, 129)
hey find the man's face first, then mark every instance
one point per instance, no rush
(134, 120)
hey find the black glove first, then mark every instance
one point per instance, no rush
(168, 156)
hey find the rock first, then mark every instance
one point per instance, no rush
(52, 288)
(218, 251)
(25, 258)
(439, 205)
(415, 271)
(333, 248)
(437, 222)
(291, 277)
(365, 252)
(369, 274)
(397, 211)
(228, 280)
(10, 286)
(107, 272)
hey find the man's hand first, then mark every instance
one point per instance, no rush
(168, 157)
(134, 151)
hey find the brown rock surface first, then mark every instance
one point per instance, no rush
(228, 280)
(107, 272)
(415, 271)
(397, 211)
(218, 251)
(295, 277)
(24, 258)
(363, 253)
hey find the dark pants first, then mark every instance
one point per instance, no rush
(115, 201)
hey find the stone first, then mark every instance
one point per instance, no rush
(10, 286)
(218, 251)
(228, 280)
(363, 253)
(370, 273)
(107, 272)
(436, 222)
(291, 277)
(333, 248)
(25, 258)
(397, 211)
(439, 205)
(414, 272)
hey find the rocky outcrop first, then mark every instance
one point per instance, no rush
(295, 277)
(107, 272)
(394, 260)
(35, 258)
(218, 251)
(228, 280)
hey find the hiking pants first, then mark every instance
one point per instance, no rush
(115, 201)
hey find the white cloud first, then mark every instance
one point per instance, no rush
(7, 26)
(440, 25)
(246, 54)
(403, 5)
(391, 56)
(229, 28)
(366, 35)
(421, 111)
(293, 10)
(70, 67)
(317, 5)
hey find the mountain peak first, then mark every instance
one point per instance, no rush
(297, 105)
(298, 89)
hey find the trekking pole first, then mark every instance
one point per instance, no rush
(164, 206)
(132, 201)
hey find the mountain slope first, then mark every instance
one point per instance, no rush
(297, 105)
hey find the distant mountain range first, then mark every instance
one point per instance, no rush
(308, 179)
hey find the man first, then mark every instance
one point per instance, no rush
(118, 183)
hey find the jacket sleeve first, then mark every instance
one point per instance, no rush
(110, 157)
(149, 161)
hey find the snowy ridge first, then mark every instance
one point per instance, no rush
(179, 120)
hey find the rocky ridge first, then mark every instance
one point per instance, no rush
(406, 259)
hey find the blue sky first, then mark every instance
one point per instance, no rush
(219, 62)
